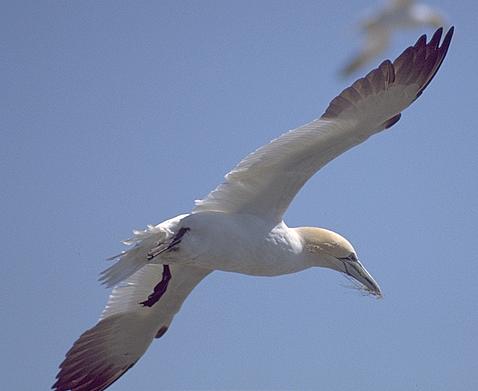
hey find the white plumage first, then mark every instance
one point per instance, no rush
(238, 227)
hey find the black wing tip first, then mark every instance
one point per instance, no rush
(97, 382)
(384, 63)
(81, 370)
(441, 50)
(437, 34)
(422, 40)
(416, 64)
(447, 40)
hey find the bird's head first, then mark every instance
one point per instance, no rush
(328, 249)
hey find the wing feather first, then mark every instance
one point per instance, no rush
(125, 330)
(265, 182)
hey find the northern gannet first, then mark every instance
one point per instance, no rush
(238, 227)
(398, 14)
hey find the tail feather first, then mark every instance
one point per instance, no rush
(130, 261)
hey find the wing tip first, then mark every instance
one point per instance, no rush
(436, 53)
(94, 382)
(86, 365)
(416, 64)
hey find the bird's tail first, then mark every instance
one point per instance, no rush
(130, 261)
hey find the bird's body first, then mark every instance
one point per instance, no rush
(240, 243)
(239, 226)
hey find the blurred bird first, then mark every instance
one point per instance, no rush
(397, 15)
(238, 227)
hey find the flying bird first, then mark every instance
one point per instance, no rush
(239, 228)
(377, 30)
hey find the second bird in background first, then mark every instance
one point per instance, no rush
(378, 29)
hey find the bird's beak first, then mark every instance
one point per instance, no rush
(358, 272)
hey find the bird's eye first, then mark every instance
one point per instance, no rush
(349, 258)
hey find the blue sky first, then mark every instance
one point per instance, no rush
(119, 114)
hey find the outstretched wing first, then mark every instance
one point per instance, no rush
(126, 328)
(266, 181)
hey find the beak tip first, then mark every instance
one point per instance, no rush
(362, 279)
(373, 289)
(378, 294)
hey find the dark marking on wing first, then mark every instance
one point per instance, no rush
(162, 330)
(159, 289)
(392, 121)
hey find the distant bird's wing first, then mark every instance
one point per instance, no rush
(126, 328)
(376, 41)
(397, 4)
(265, 182)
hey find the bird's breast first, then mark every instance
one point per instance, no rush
(240, 243)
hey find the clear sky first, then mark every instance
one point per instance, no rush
(119, 114)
